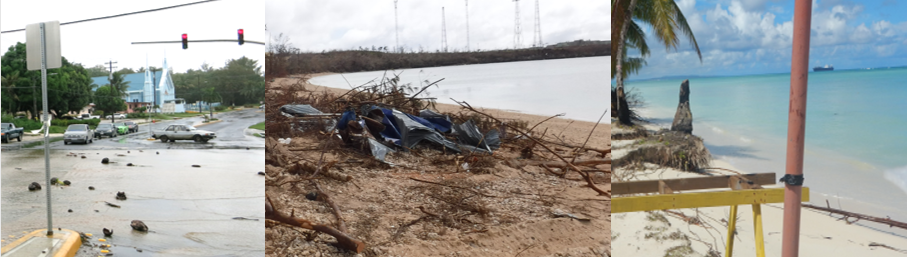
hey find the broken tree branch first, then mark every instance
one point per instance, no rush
(336, 209)
(590, 133)
(343, 240)
(847, 214)
(585, 175)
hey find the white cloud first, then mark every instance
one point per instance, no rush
(737, 35)
(316, 25)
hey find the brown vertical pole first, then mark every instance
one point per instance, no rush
(796, 126)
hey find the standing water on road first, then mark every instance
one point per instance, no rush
(576, 86)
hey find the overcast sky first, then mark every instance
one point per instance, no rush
(96, 42)
(317, 25)
(755, 36)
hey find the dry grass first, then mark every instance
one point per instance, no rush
(667, 149)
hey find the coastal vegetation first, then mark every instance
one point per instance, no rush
(667, 23)
(284, 59)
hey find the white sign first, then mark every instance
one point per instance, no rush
(51, 45)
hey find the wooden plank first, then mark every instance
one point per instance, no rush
(700, 200)
(651, 186)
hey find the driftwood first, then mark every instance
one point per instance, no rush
(343, 240)
(603, 152)
(582, 173)
(847, 214)
(336, 209)
(558, 164)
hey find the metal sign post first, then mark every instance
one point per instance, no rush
(38, 37)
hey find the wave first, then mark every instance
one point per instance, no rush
(898, 176)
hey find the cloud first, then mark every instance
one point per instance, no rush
(316, 25)
(746, 37)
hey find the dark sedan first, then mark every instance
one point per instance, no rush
(132, 126)
(105, 129)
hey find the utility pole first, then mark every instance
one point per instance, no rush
(396, 29)
(110, 64)
(153, 89)
(516, 24)
(443, 31)
(537, 39)
(467, 25)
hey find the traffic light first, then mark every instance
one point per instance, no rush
(185, 41)
(240, 33)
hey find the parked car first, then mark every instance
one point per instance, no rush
(10, 131)
(122, 129)
(86, 116)
(132, 126)
(80, 133)
(105, 129)
(116, 116)
(183, 132)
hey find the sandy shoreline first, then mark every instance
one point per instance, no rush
(656, 233)
(574, 131)
(382, 200)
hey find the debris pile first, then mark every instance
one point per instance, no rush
(378, 168)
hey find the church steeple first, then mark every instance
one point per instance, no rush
(148, 95)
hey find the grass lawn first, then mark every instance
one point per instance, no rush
(259, 126)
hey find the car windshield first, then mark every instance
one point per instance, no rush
(130, 123)
(5, 125)
(121, 124)
(105, 126)
(190, 128)
(76, 128)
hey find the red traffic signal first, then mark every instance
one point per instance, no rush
(241, 36)
(185, 41)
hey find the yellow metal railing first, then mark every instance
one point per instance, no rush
(745, 189)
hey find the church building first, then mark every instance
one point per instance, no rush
(141, 90)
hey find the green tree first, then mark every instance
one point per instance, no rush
(668, 25)
(69, 87)
(126, 71)
(119, 83)
(10, 99)
(107, 99)
(97, 71)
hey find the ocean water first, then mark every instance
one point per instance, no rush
(856, 130)
(576, 86)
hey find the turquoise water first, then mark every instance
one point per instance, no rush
(856, 129)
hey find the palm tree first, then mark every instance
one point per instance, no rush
(9, 82)
(666, 20)
(119, 84)
(210, 95)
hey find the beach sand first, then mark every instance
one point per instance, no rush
(657, 233)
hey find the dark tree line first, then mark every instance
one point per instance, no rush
(239, 82)
(284, 59)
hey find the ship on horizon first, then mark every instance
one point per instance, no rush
(826, 68)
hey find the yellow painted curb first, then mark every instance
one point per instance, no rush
(69, 244)
(209, 123)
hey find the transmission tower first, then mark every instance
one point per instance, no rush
(396, 29)
(537, 39)
(443, 31)
(516, 25)
(467, 25)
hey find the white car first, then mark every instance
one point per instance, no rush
(117, 116)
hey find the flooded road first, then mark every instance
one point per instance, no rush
(189, 211)
(231, 133)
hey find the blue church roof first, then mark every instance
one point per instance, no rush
(136, 80)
